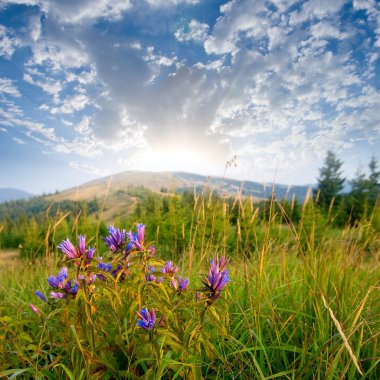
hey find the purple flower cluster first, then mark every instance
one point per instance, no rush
(64, 286)
(181, 284)
(120, 241)
(147, 320)
(106, 267)
(115, 240)
(217, 277)
(80, 254)
(138, 238)
(169, 269)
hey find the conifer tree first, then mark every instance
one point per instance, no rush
(330, 181)
(373, 180)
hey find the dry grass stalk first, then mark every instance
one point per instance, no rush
(343, 336)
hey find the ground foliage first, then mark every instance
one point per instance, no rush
(302, 300)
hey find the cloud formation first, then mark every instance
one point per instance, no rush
(276, 83)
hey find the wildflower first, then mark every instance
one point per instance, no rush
(138, 238)
(57, 295)
(141, 232)
(169, 268)
(68, 249)
(106, 267)
(115, 240)
(217, 277)
(149, 276)
(183, 283)
(128, 249)
(40, 295)
(59, 280)
(35, 310)
(72, 253)
(159, 280)
(148, 320)
(67, 287)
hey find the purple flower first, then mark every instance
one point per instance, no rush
(159, 280)
(68, 249)
(59, 280)
(35, 310)
(148, 320)
(128, 249)
(149, 276)
(140, 232)
(82, 245)
(137, 238)
(115, 240)
(183, 283)
(57, 295)
(68, 287)
(72, 253)
(40, 295)
(106, 267)
(217, 277)
(169, 268)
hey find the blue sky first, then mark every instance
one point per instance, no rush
(91, 88)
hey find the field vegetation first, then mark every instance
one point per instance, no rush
(299, 298)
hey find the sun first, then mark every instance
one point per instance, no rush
(174, 159)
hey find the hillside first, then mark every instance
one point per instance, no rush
(117, 195)
(10, 194)
(177, 182)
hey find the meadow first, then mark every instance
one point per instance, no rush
(299, 298)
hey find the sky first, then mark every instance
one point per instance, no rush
(92, 88)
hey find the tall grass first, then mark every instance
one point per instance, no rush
(303, 303)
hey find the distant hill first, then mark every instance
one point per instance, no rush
(9, 194)
(172, 182)
(246, 188)
(116, 196)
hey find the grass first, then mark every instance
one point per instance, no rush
(302, 303)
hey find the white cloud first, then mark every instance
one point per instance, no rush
(83, 127)
(315, 9)
(7, 43)
(71, 104)
(194, 31)
(275, 74)
(7, 87)
(18, 141)
(167, 3)
(50, 86)
(86, 168)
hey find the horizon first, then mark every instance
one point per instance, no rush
(185, 85)
(217, 177)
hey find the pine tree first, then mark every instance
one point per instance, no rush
(330, 181)
(373, 180)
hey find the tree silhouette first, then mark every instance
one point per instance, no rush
(330, 181)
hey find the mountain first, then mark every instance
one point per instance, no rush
(172, 182)
(116, 196)
(9, 194)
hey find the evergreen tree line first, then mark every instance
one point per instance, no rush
(361, 202)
